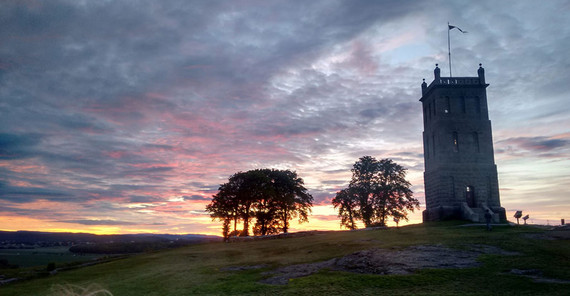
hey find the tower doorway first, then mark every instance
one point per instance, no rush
(470, 196)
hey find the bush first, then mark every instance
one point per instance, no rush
(50, 266)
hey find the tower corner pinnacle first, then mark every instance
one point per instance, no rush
(481, 74)
(436, 72)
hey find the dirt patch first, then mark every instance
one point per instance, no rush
(553, 233)
(382, 261)
(244, 267)
(282, 275)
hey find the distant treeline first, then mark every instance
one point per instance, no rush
(132, 247)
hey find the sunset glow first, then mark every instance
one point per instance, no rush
(123, 120)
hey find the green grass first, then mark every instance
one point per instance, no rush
(198, 269)
(43, 256)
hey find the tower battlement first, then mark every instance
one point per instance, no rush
(439, 81)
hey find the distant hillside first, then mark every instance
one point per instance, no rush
(31, 237)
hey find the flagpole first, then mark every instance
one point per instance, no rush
(449, 49)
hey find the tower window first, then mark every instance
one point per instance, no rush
(477, 105)
(489, 188)
(455, 142)
(433, 143)
(447, 105)
(476, 142)
(452, 184)
(434, 107)
(427, 148)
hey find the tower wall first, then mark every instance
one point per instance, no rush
(460, 173)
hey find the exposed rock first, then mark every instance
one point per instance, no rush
(532, 272)
(282, 275)
(536, 276)
(382, 261)
(244, 267)
(7, 281)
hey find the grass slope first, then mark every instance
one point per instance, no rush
(199, 269)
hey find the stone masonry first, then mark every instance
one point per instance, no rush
(460, 173)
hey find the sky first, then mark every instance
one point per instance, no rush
(126, 116)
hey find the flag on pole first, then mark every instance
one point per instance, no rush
(454, 27)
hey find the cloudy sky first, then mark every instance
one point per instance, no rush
(126, 116)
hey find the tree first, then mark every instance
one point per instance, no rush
(291, 198)
(378, 189)
(224, 207)
(364, 179)
(393, 196)
(226, 229)
(347, 203)
(234, 201)
(265, 206)
(253, 187)
(272, 197)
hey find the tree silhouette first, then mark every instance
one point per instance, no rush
(378, 189)
(363, 184)
(347, 202)
(272, 197)
(392, 195)
(291, 197)
(253, 188)
(224, 207)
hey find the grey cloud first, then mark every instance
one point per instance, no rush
(155, 172)
(545, 144)
(333, 172)
(28, 194)
(409, 154)
(36, 213)
(159, 147)
(158, 223)
(335, 182)
(131, 187)
(84, 123)
(373, 113)
(196, 197)
(321, 196)
(204, 186)
(539, 146)
(143, 199)
(199, 212)
(16, 146)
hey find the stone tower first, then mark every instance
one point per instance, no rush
(460, 173)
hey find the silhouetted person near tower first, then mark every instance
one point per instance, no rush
(488, 217)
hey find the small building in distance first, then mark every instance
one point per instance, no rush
(460, 175)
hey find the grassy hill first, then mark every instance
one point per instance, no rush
(526, 261)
